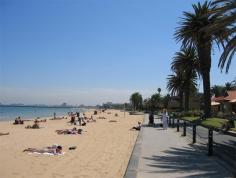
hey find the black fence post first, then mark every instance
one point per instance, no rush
(210, 142)
(184, 134)
(177, 125)
(194, 133)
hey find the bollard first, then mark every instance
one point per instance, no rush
(184, 129)
(210, 142)
(177, 125)
(194, 133)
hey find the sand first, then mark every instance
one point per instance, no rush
(102, 152)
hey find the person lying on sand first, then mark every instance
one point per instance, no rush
(102, 118)
(51, 150)
(34, 126)
(83, 123)
(37, 120)
(137, 127)
(73, 131)
(4, 133)
(91, 119)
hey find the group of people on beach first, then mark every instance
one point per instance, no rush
(82, 119)
(18, 121)
(75, 119)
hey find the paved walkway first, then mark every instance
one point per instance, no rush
(164, 153)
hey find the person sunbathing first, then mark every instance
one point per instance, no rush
(83, 123)
(51, 150)
(92, 119)
(101, 117)
(73, 131)
(4, 133)
(34, 126)
(67, 131)
(37, 120)
(137, 127)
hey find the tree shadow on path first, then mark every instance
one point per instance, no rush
(191, 161)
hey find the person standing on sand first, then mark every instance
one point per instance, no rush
(165, 117)
(79, 118)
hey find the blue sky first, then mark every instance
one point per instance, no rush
(89, 51)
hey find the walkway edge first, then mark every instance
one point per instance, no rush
(131, 171)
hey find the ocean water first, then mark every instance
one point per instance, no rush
(11, 112)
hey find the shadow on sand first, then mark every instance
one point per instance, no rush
(191, 162)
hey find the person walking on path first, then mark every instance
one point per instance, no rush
(165, 118)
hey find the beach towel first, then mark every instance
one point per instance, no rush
(47, 154)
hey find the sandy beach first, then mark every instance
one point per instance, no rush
(102, 152)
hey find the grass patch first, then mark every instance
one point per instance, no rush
(233, 129)
(190, 119)
(216, 123)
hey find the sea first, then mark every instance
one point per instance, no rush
(32, 112)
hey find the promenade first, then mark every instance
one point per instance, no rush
(164, 153)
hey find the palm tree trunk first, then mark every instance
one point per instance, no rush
(204, 53)
(186, 99)
(181, 101)
(207, 95)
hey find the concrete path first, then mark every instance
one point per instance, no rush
(164, 153)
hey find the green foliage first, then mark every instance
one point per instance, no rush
(192, 32)
(215, 123)
(191, 119)
(136, 101)
(186, 68)
(220, 114)
(227, 10)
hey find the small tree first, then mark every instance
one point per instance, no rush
(136, 101)
(165, 100)
(155, 101)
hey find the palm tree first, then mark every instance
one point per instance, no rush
(191, 33)
(159, 90)
(136, 100)
(175, 86)
(227, 9)
(186, 61)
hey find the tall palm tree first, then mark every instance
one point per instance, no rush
(227, 9)
(186, 61)
(191, 33)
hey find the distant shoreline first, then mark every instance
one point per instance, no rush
(26, 112)
(33, 106)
